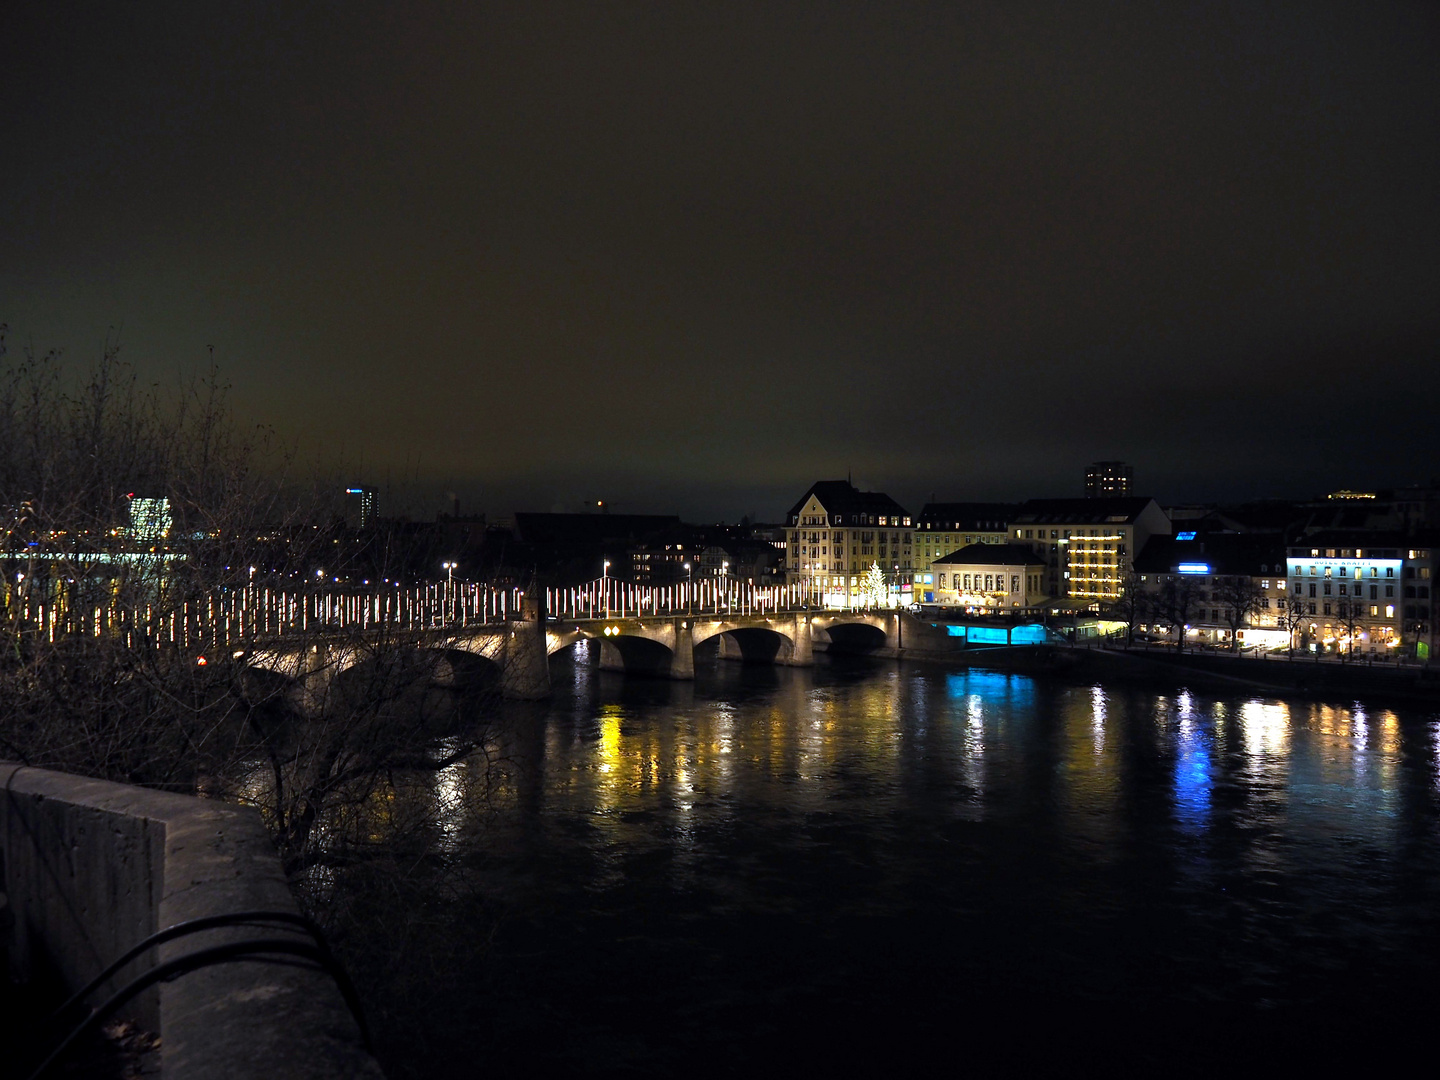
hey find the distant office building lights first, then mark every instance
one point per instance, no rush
(1108, 479)
(150, 519)
(359, 507)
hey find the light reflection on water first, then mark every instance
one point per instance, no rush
(1109, 842)
(801, 747)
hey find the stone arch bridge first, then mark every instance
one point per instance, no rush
(518, 650)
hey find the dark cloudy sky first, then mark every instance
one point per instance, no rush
(693, 256)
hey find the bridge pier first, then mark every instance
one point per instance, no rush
(317, 673)
(682, 653)
(894, 634)
(610, 658)
(525, 672)
(802, 649)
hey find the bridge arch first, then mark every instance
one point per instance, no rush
(856, 637)
(636, 654)
(752, 644)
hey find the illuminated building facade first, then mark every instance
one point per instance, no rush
(944, 528)
(1088, 545)
(1366, 592)
(1227, 588)
(989, 578)
(1108, 480)
(834, 534)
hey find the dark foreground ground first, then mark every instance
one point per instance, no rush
(118, 1050)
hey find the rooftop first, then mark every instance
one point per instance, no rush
(1101, 511)
(842, 498)
(992, 555)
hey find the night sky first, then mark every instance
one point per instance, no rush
(689, 258)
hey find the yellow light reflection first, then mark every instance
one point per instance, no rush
(1266, 727)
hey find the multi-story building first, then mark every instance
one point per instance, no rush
(1108, 480)
(835, 533)
(989, 578)
(1225, 588)
(1365, 591)
(1088, 545)
(944, 528)
(359, 507)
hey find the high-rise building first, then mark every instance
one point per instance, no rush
(359, 507)
(1108, 480)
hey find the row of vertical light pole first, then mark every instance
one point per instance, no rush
(689, 590)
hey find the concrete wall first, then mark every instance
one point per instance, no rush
(91, 868)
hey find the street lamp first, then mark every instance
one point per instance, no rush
(449, 580)
(689, 592)
(605, 584)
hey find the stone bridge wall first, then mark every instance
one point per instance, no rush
(92, 868)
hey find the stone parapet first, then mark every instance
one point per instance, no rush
(93, 868)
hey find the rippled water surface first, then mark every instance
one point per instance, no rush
(892, 866)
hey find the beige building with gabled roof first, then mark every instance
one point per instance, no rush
(834, 534)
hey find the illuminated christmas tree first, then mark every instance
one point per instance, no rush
(873, 588)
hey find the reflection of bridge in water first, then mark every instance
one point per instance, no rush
(313, 637)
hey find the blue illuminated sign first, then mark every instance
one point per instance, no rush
(1193, 568)
(1185, 536)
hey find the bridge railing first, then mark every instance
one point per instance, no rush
(245, 613)
(610, 598)
(232, 616)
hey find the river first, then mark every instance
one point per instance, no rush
(878, 867)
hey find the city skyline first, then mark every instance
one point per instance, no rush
(691, 259)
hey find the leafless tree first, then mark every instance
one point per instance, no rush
(1136, 604)
(1293, 616)
(1350, 611)
(95, 677)
(1178, 596)
(1240, 599)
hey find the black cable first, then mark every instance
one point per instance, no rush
(191, 926)
(215, 954)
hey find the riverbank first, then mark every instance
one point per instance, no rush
(1308, 677)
